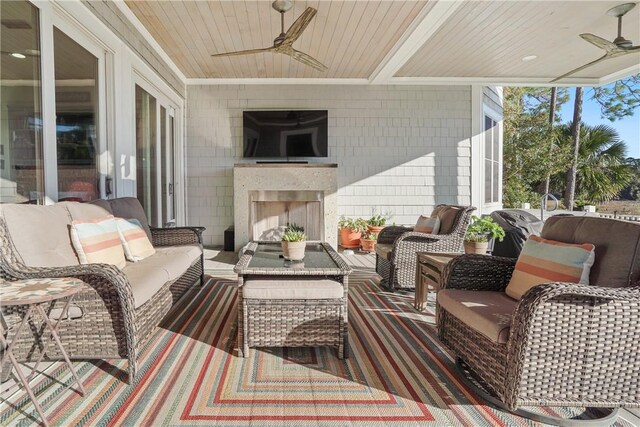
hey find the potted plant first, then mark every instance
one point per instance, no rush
(351, 230)
(479, 233)
(376, 223)
(294, 242)
(368, 241)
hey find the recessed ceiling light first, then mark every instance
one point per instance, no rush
(17, 55)
(529, 58)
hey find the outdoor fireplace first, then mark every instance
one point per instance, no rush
(268, 196)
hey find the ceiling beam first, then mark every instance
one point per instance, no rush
(421, 29)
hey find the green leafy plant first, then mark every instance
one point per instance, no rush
(370, 236)
(378, 219)
(483, 229)
(294, 233)
(354, 224)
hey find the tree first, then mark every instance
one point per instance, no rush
(602, 170)
(632, 190)
(570, 187)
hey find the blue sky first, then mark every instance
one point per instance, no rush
(628, 128)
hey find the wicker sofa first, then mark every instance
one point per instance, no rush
(562, 344)
(397, 246)
(117, 314)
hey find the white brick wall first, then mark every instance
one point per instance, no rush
(398, 148)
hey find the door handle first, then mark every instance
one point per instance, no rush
(109, 186)
(170, 189)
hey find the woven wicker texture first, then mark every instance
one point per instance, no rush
(400, 270)
(110, 326)
(570, 345)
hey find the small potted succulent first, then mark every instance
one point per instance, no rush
(479, 233)
(376, 223)
(294, 242)
(368, 241)
(351, 230)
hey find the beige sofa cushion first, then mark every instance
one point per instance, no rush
(384, 250)
(148, 275)
(487, 312)
(40, 234)
(87, 211)
(130, 207)
(292, 289)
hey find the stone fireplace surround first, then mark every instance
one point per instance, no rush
(250, 178)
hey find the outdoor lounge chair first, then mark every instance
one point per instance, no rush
(397, 246)
(562, 344)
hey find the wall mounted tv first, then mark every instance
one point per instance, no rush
(283, 134)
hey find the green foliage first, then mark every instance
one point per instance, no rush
(379, 219)
(483, 229)
(603, 171)
(370, 236)
(619, 99)
(354, 224)
(294, 233)
(632, 190)
(531, 149)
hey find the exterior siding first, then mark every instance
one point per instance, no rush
(398, 148)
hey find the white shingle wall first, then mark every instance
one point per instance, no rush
(398, 148)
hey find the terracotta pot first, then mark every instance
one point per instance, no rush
(476, 247)
(293, 251)
(368, 245)
(349, 238)
(375, 228)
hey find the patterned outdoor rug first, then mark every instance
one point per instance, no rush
(398, 374)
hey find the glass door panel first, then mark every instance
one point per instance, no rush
(21, 164)
(146, 154)
(77, 106)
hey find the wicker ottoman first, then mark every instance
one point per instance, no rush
(279, 312)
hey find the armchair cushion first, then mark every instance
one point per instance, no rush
(448, 216)
(384, 250)
(488, 313)
(544, 261)
(428, 225)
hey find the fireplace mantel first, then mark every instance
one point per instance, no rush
(250, 178)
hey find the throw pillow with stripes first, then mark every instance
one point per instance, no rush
(543, 261)
(134, 239)
(97, 241)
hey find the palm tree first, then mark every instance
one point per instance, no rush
(602, 170)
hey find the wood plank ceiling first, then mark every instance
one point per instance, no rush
(350, 37)
(490, 39)
(481, 39)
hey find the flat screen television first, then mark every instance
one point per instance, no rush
(283, 134)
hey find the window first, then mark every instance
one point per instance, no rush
(21, 165)
(492, 163)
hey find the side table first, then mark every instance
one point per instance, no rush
(429, 269)
(33, 293)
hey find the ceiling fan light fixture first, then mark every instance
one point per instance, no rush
(18, 55)
(529, 58)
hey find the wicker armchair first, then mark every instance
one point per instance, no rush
(562, 344)
(106, 322)
(397, 246)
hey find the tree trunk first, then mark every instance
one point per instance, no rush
(552, 118)
(570, 188)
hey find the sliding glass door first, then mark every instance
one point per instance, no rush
(155, 151)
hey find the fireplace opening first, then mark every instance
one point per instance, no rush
(271, 211)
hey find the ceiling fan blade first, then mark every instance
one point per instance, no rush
(296, 29)
(602, 58)
(244, 52)
(305, 59)
(631, 49)
(599, 42)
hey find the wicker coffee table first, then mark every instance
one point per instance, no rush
(292, 304)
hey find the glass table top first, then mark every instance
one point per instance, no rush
(269, 255)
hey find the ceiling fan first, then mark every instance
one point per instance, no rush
(619, 47)
(282, 43)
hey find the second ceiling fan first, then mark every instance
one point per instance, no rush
(283, 43)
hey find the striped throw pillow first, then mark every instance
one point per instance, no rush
(427, 225)
(134, 239)
(97, 241)
(543, 261)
